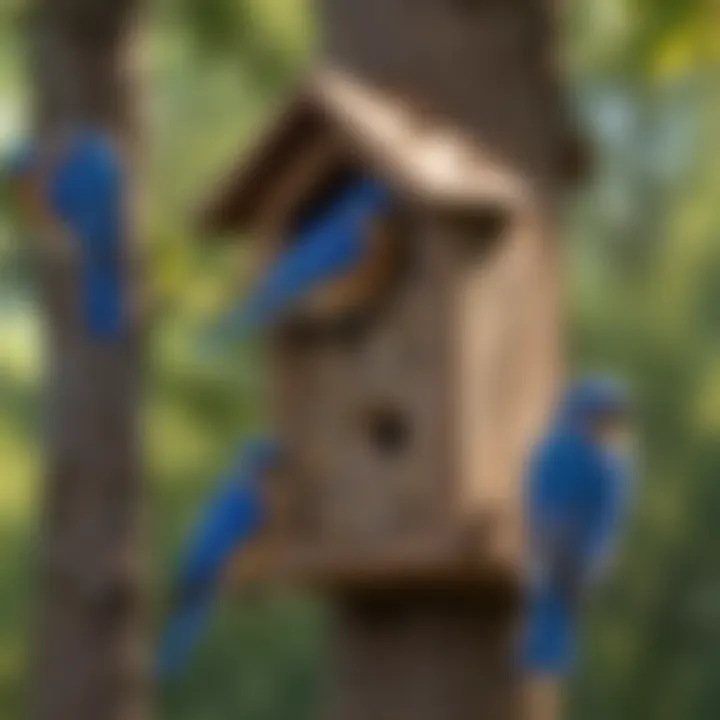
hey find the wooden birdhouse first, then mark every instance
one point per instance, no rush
(408, 393)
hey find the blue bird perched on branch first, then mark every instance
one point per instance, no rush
(578, 494)
(75, 204)
(234, 517)
(330, 247)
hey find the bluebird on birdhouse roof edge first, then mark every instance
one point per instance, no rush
(423, 157)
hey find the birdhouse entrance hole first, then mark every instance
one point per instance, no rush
(387, 429)
(481, 231)
(322, 198)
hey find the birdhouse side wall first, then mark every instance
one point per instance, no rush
(504, 372)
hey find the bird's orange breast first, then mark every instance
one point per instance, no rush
(361, 288)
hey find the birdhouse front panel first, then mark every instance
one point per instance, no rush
(408, 433)
(363, 410)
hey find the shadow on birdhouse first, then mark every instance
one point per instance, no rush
(385, 405)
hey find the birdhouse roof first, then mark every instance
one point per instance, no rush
(336, 118)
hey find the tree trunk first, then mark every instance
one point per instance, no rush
(489, 68)
(436, 656)
(89, 652)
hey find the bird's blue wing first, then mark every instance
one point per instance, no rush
(86, 193)
(236, 513)
(561, 491)
(576, 496)
(574, 513)
(567, 504)
(610, 512)
(326, 248)
(232, 518)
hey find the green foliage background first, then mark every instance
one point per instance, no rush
(643, 271)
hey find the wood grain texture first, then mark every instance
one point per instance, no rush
(353, 491)
(505, 368)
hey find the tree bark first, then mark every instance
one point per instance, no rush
(425, 656)
(489, 68)
(89, 654)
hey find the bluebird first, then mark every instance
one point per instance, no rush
(577, 498)
(233, 518)
(77, 200)
(327, 249)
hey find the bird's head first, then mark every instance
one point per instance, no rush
(600, 408)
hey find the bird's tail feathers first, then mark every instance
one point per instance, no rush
(183, 633)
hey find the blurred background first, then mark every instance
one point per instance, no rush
(643, 278)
